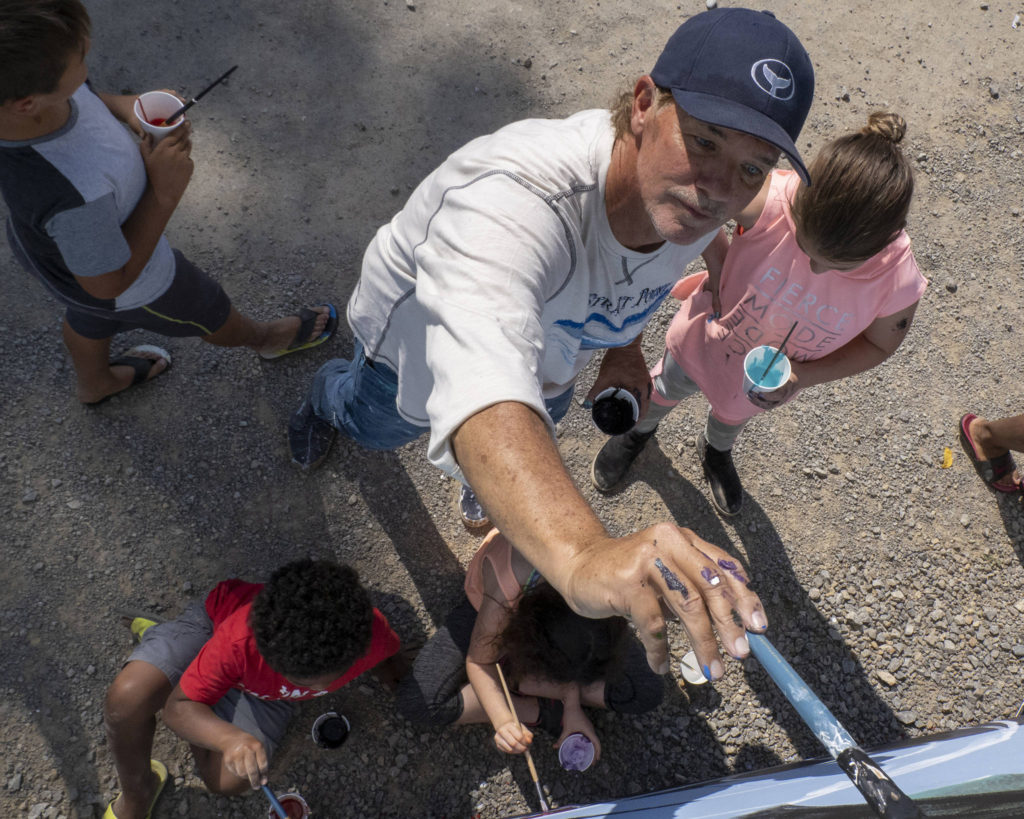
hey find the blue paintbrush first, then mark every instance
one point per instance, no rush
(277, 806)
(880, 792)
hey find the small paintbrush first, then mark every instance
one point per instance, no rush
(200, 95)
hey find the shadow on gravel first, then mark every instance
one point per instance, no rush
(395, 503)
(797, 629)
(1011, 509)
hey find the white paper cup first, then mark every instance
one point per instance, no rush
(755, 379)
(158, 105)
(576, 753)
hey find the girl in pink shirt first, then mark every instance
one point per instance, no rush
(831, 259)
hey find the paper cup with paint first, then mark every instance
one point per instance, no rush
(294, 805)
(758, 378)
(330, 730)
(615, 411)
(152, 110)
(576, 753)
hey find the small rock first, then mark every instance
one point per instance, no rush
(886, 677)
(993, 91)
(906, 717)
(965, 520)
(74, 504)
(1018, 651)
(14, 783)
(711, 3)
(409, 4)
(951, 287)
(30, 496)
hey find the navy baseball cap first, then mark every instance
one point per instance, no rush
(741, 69)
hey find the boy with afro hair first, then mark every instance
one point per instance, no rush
(226, 674)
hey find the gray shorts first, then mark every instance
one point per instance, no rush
(171, 646)
(193, 305)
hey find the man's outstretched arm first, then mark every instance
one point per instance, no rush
(510, 459)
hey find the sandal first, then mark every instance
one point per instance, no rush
(301, 340)
(140, 364)
(999, 472)
(160, 770)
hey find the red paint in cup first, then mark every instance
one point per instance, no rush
(294, 805)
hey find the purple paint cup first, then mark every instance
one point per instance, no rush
(576, 753)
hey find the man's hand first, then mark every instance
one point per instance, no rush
(667, 567)
(169, 163)
(246, 758)
(510, 459)
(513, 738)
(624, 367)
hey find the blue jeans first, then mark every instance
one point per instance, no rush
(358, 398)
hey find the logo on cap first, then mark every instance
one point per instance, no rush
(773, 77)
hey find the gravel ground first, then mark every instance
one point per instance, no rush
(894, 586)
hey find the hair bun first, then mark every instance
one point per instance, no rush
(886, 124)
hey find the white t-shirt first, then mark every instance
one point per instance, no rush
(501, 275)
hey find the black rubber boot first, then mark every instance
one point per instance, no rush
(613, 461)
(726, 489)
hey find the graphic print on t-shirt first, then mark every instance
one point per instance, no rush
(768, 310)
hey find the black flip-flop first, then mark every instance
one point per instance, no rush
(992, 470)
(301, 340)
(140, 364)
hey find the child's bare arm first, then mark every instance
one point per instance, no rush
(879, 341)
(195, 722)
(122, 106)
(483, 674)
(169, 168)
(714, 258)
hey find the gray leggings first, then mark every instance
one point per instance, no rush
(673, 385)
(431, 693)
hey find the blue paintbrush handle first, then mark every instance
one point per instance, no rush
(882, 794)
(277, 806)
(813, 711)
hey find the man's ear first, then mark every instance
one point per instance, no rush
(644, 96)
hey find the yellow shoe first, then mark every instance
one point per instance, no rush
(138, 623)
(160, 770)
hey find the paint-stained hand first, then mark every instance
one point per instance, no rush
(665, 567)
(246, 758)
(513, 738)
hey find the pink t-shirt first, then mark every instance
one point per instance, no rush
(230, 658)
(496, 551)
(767, 284)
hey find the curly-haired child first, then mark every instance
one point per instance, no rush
(555, 660)
(226, 674)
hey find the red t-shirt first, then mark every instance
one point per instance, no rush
(230, 658)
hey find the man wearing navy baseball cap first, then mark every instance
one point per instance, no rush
(528, 249)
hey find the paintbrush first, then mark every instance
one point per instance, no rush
(274, 803)
(200, 95)
(882, 794)
(529, 759)
(778, 352)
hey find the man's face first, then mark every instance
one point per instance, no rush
(695, 176)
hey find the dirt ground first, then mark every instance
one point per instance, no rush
(894, 585)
